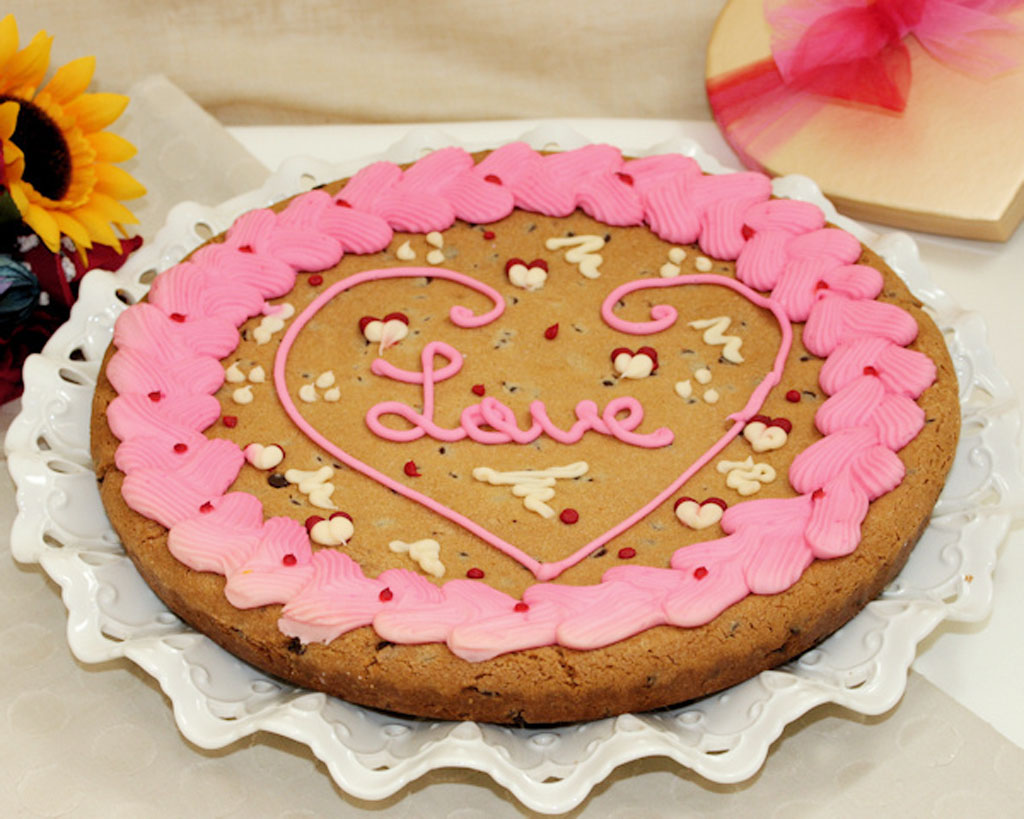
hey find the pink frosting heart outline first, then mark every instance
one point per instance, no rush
(662, 317)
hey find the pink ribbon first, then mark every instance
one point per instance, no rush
(855, 51)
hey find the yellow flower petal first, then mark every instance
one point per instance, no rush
(99, 230)
(110, 147)
(19, 197)
(45, 225)
(117, 183)
(112, 210)
(72, 228)
(8, 39)
(94, 112)
(8, 118)
(28, 67)
(71, 80)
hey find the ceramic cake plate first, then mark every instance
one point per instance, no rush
(217, 699)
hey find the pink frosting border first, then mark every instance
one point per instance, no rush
(167, 368)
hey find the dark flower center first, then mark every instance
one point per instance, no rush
(47, 157)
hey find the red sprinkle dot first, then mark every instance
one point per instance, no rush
(179, 448)
(627, 552)
(793, 396)
(569, 516)
(230, 421)
(475, 574)
(521, 606)
(156, 395)
(748, 232)
(551, 332)
(315, 280)
(206, 508)
(312, 521)
(494, 180)
(385, 595)
(700, 573)
(817, 494)
(869, 370)
(341, 203)
(821, 284)
(488, 234)
(245, 249)
(411, 469)
(178, 317)
(625, 178)
(478, 389)
(289, 560)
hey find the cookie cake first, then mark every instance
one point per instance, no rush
(523, 437)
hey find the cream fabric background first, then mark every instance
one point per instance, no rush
(281, 61)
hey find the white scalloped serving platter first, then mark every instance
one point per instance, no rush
(217, 699)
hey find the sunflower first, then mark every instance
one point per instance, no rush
(58, 161)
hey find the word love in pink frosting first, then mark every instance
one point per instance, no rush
(492, 422)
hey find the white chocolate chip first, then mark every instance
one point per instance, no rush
(257, 375)
(325, 379)
(332, 395)
(676, 255)
(703, 375)
(669, 270)
(703, 264)
(233, 374)
(435, 257)
(405, 252)
(243, 395)
(307, 392)
(684, 389)
(711, 396)
(435, 239)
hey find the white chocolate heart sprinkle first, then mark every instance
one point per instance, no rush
(336, 531)
(636, 365)
(764, 438)
(264, 457)
(528, 278)
(699, 515)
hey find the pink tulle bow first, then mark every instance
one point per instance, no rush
(854, 49)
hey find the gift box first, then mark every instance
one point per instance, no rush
(924, 134)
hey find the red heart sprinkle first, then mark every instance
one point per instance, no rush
(478, 389)
(411, 470)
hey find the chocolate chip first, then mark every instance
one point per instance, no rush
(277, 480)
